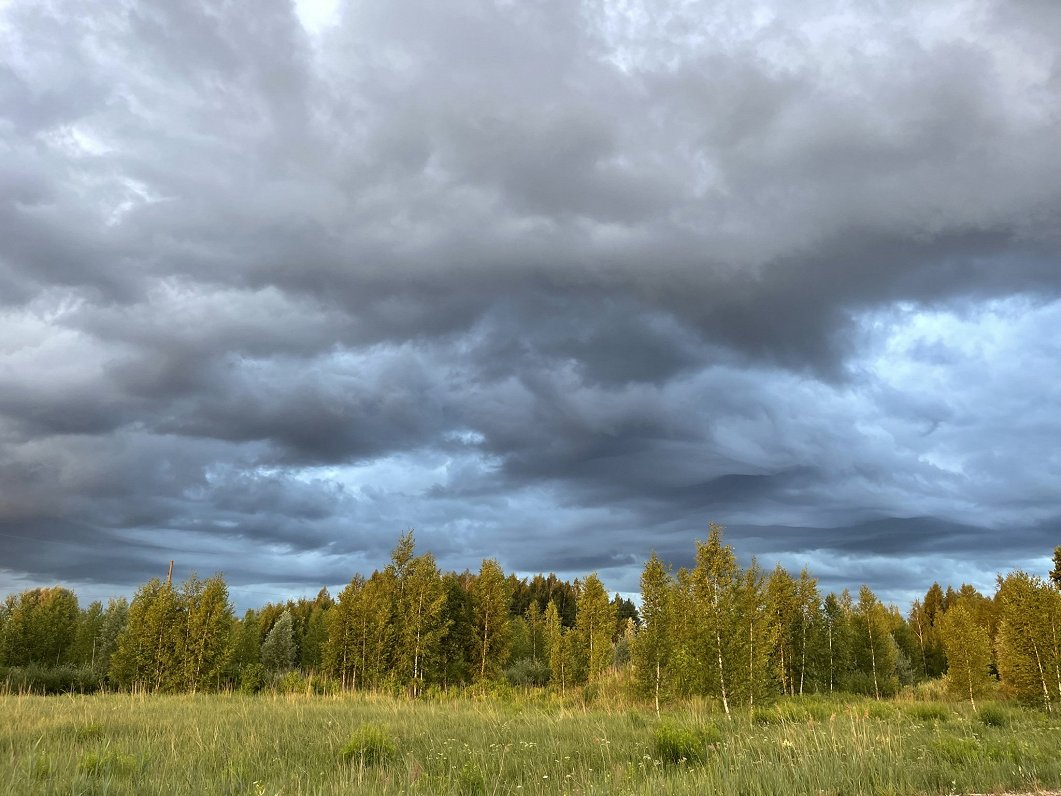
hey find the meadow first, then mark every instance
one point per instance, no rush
(534, 743)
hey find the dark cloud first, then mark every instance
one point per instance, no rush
(556, 283)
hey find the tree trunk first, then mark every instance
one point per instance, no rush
(872, 656)
(657, 687)
(721, 671)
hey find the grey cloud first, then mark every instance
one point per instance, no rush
(554, 282)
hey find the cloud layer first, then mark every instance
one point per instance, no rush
(554, 282)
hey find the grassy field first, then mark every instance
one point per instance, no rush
(262, 745)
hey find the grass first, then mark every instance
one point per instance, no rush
(297, 744)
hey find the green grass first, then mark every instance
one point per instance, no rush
(287, 744)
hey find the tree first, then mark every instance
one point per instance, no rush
(150, 649)
(654, 643)
(490, 598)
(594, 627)
(457, 649)
(40, 626)
(783, 605)
(556, 641)
(716, 593)
(924, 621)
(82, 651)
(1055, 573)
(874, 649)
(342, 647)
(1029, 638)
(968, 653)
(278, 649)
(422, 621)
(207, 644)
(808, 607)
(837, 613)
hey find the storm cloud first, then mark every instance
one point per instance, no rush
(551, 282)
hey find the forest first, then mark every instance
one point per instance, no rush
(738, 636)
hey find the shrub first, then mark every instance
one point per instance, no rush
(370, 745)
(35, 679)
(88, 732)
(292, 683)
(676, 744)
(995, 716)
(528, 672)
(928, 711)
(252, 678)
(107, 763)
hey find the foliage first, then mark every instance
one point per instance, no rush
(677, 744)
(278, 649)
(369, 745)
(968, 653)
(37, 679)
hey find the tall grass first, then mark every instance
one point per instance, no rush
(513, 744)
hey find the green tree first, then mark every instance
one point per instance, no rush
(968, 653)
(1028, 645)
(278, 649)
(207, 644)
(783, 606)
(594, 627)
(836, 618)
(457, 649)
(874, 649)
(753, 640)
(717, 601)
(343, 648)
(422, 620)
(150, 648)
(654, 643)
(490, 598)
(556, 641)
(808, 617)
(82, 651)
(1055, 573)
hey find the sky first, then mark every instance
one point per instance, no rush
(552, 282)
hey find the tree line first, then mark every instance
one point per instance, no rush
(739, 635)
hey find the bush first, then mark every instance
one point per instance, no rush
(528, 672)
(928, 711)
(995, 716)
(106, 764)
(88, 732)
(34, 679)
(291, 683)
(252, 677)
(675, 744)
(370, 745)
